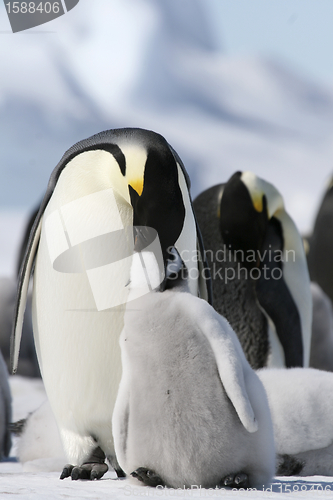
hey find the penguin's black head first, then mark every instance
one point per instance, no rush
(243, 219)
(148, 175)
(158, 203)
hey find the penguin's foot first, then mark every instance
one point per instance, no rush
(84, 471)
(288, 465)
(120, 473)
(147, 476)
(240, 480)
(93, 468)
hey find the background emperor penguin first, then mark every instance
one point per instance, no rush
(190, 410)
(28, 363)
(259, 272)
(117, 191)
(320, 244)
(5, 411)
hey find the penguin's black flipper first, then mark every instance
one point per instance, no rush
(148, 477)
(240, 480)
(275, 298)
(25, 239)
(22, 289)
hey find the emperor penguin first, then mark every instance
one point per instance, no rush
(190, 410)
(321, 355)
(5, 410)
(320, 244)
(114, 192)
(28, 364)
(258, 267)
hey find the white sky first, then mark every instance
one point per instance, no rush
(299, 32)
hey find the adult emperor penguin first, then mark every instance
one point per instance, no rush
(259, 272)
(320, 245)
(321, 355)
(82, 243)
(190, 410)
(28, 364)
(5, 410)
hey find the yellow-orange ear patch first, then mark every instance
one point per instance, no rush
(137, 185)
(136, 157)
(257, 202)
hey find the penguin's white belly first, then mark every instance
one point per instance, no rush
(77, 345)
(77, 348)
(78, 302)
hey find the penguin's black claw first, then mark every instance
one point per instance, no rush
(240, 480)
(148, 477)
(66, 471)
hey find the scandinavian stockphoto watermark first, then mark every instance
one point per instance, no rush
(88, 236)
(92, 236)
(228, 265)
(26, 15)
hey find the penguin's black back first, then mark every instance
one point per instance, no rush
(235, 300)
(320, 256)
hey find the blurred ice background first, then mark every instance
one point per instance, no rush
(231, 84)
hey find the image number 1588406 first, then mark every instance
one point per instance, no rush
(25, 15)
(32, 7)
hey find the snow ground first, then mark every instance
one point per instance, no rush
(16, 483)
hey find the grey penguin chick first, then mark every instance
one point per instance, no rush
(189, 409)
(301, 404)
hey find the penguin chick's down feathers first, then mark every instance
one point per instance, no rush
(39, 447)
(189, 407)
(301, 405)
